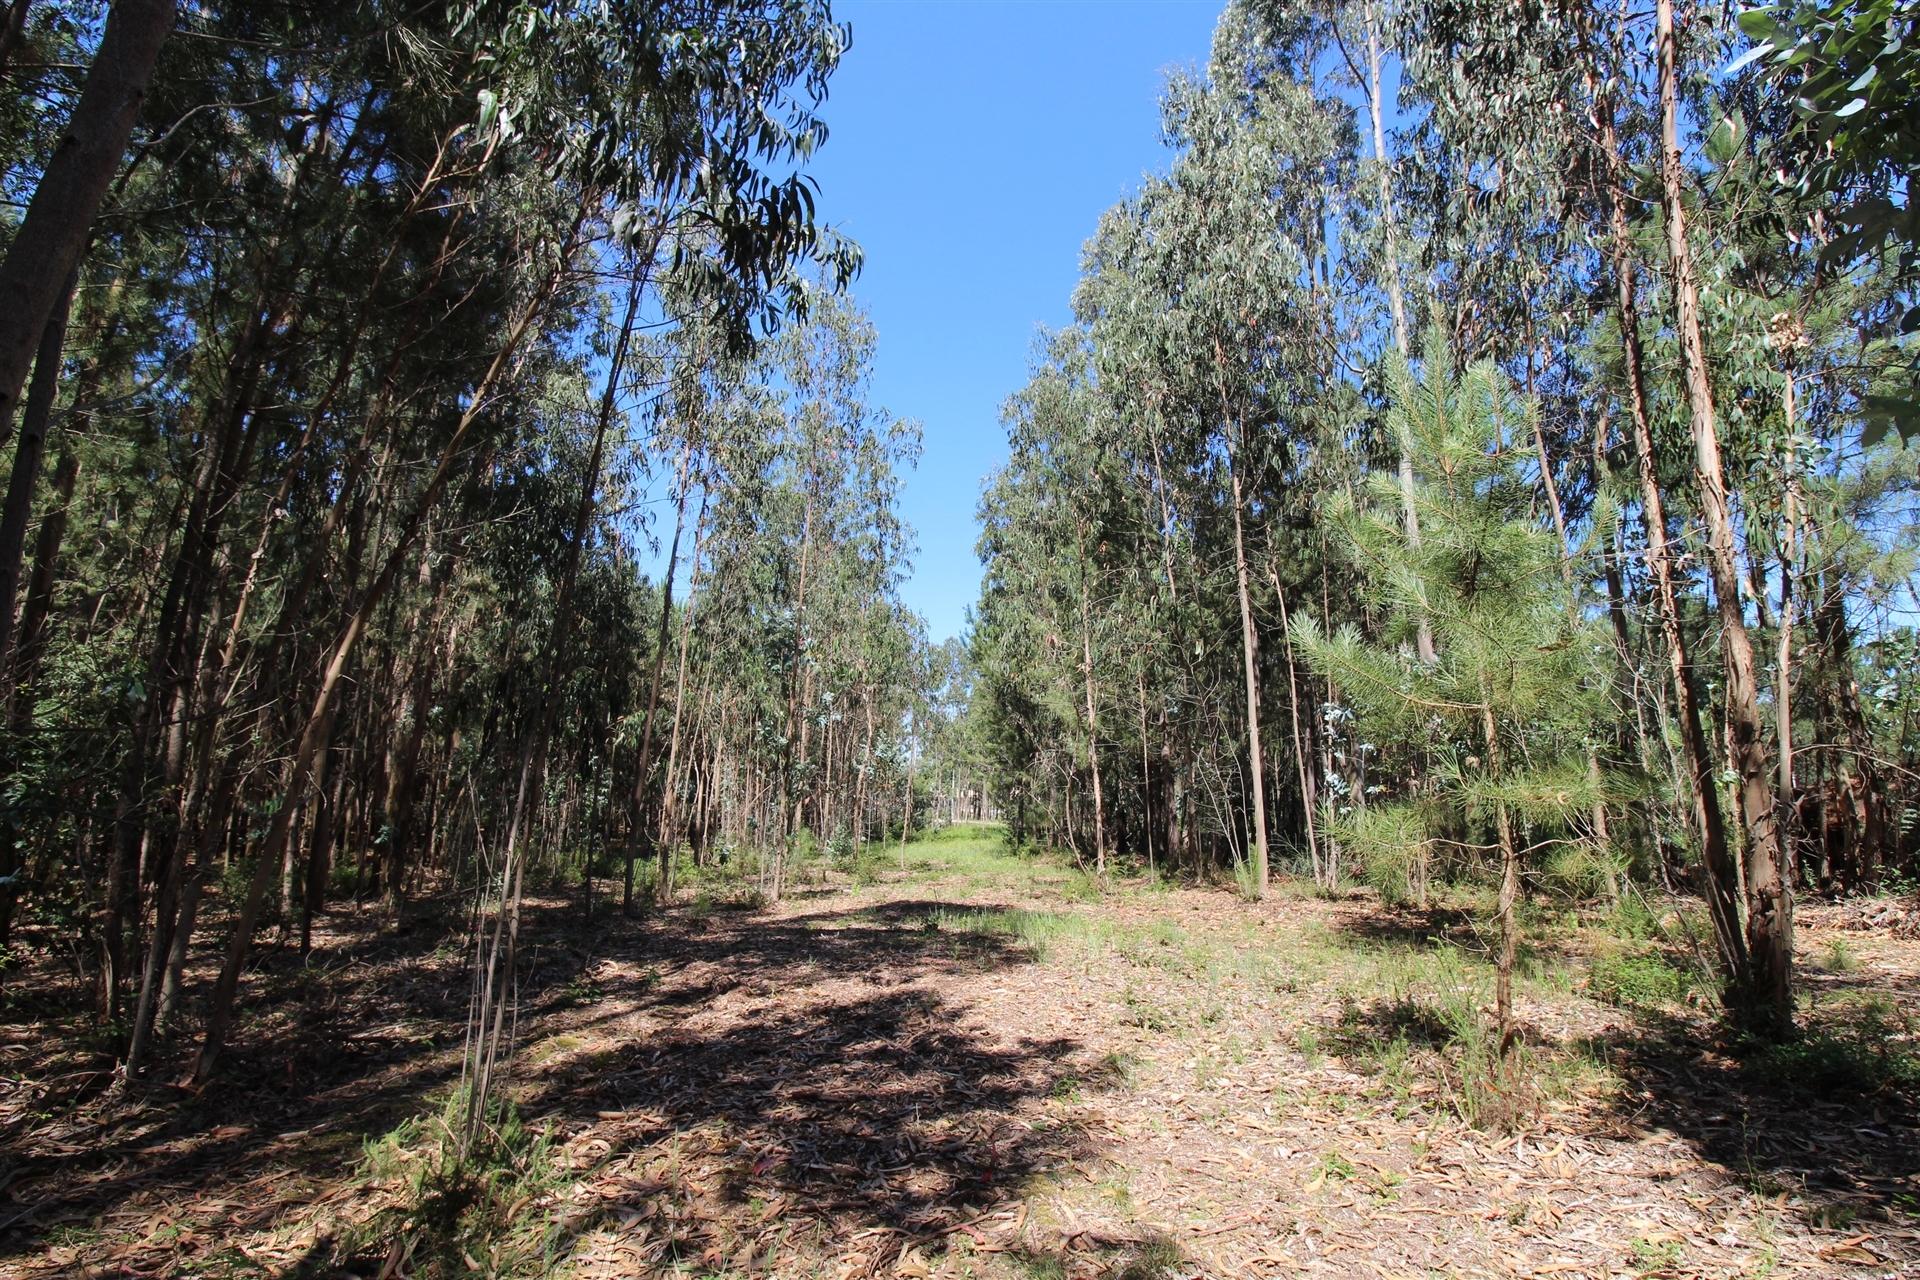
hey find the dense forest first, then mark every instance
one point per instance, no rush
(447, 510)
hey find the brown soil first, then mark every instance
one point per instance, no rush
(872, 1082)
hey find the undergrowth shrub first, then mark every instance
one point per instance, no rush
(1633, 920)
(446, 1209)
(1582, 871)
(1430, 1040)
(1865, 1046)
(1644, 978)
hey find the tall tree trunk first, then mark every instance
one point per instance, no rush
(1093, 723)
(52, 236)
(670, 795)
(1783, 650)
(27, 453)
(1768, 1001)
(794, 752)
(1509, 885)
(646, 795)
(1396, 301)
(1302, 768)
(486, 1034)
(1250, 658)
(1709, 824)
(13, 29)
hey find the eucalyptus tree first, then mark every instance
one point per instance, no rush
(1046, 536)
(1851, 75)
(1211, 305)
(789, 683)
(360, 256)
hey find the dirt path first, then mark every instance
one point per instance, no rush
(970, 1069)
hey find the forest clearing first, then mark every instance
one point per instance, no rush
(963, 1061)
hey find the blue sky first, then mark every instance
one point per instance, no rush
(974, 146)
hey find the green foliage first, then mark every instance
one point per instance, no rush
(1851, 72)
(1390, 843)
(1155, 1259)
(1426, 1039)
(1515, 672)
(1644, 978)
(1035, 930)
(444, 1206)
(1870, 1047)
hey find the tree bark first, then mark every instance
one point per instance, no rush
(1768, 999)
(645, 793)
(1509, 886)
(28, 451)
(1250, 658)
(47, 248)
(1783, 651)
(1396, 301)
(1093, 723)
(1708, 822)
(1300, 750)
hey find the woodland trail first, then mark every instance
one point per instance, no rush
(964, 1063)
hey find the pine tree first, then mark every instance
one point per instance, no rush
(1508, 694)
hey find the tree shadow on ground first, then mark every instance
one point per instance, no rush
(1817, 1119)
(332, 1047)
(1381, 925)
(1384, 927)
(870, 1124)
(862, 1110)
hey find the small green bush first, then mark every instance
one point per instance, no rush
(1633, 920)
(1643, 978)
(1871, 1049)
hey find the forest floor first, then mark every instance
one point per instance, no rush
(968, 1063)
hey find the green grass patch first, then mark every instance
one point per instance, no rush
(1035, 930)
(447, 1208)
(1646, 979)
(1429, 1043)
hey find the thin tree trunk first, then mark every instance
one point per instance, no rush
(1093, 725)
(1300, 751)
(670, 796)
(1789, 572)
(1509, 887)
(1250, 657)
(1768, 1001)
(1708, 822)
(12, 30)
(645, 802)
(27, 454)
(1396, 301)
(906, 813)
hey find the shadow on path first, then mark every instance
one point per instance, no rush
(1808, 1119)
(796, 1074)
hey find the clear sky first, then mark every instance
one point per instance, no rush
(974, 146)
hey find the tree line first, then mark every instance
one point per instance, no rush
(1480, 454)
(442, 466)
